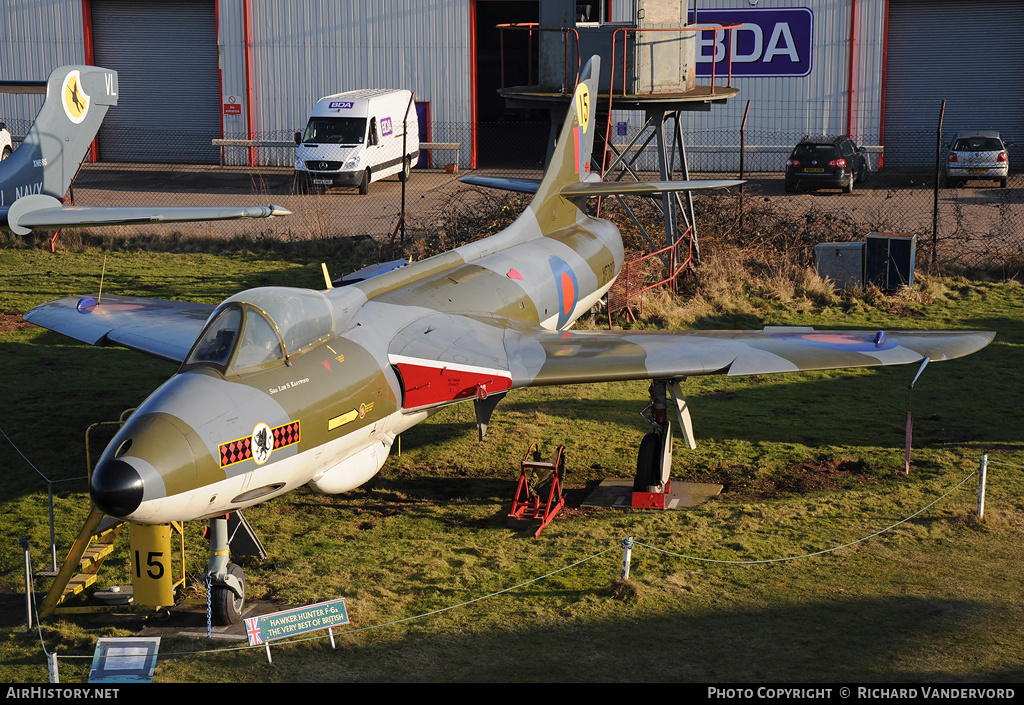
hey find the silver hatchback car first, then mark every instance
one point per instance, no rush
(977, 155)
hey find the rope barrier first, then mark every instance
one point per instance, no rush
(31, 465)
(628, 544)
(814, 553)
(385, 624)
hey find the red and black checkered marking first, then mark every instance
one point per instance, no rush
(241, 449)
(235, 451)
(286, 435)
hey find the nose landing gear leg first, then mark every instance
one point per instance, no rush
(227, 579)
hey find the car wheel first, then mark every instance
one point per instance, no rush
(403, 175)
(848, 187)
(863, 174)
(790, 187)
(364, 185)
(1002, 182)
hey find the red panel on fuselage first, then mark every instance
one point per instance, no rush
(429, 385)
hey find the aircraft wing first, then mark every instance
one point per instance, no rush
(590, 356)
(164, 329)
(444, 358)
(47, 213)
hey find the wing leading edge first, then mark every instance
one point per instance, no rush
(474, 357)
(164, 329)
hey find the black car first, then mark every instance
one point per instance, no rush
(825, 162)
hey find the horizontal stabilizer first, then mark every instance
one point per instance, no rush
(602, 188)
(502, 182)
(642, 188)
(46, 213)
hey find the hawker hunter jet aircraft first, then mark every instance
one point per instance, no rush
(280, 387)
(35, 177)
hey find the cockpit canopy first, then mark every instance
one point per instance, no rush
(258, 327)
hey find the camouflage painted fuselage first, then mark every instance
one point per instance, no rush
(211, 440)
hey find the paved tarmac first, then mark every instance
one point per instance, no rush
(886, 202)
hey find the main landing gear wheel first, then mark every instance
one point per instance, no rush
(648, 464)
(224, 603)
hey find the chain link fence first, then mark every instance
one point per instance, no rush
(977, 226)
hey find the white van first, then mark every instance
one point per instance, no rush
(357, 137)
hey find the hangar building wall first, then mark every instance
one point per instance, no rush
(877, 69)
(298, 52)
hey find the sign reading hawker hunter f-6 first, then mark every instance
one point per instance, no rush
(280, 387)
(37, 175)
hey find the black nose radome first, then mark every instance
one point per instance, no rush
(116, 488)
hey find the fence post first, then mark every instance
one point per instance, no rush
(23, 542)
(627, 546)
(935, 203)
(982, 471)
(743, 145)
(53, 536)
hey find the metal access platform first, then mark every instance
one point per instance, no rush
(648, 65)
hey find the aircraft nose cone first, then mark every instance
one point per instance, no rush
(116, 488)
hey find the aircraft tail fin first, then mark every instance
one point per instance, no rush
(568, 181)
(571, 157)
(77, 99)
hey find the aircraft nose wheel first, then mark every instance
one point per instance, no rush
(227, 580)
(225, 603)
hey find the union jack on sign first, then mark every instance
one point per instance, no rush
(252, 629)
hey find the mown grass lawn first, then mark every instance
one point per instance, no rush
(810, 462)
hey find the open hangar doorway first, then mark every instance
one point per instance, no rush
(506, 138)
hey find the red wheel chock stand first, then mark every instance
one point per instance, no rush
(527, 503)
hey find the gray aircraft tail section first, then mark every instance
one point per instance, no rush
(77, 99)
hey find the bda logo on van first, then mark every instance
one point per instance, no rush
(385, 127)
(341, 105)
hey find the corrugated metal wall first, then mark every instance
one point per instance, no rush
(165, 54)
(298, 51)
(969, 54)
(35, 38)
(301, 51)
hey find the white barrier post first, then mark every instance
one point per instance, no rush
(981, 485)
(627, 546)
(23, 542)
